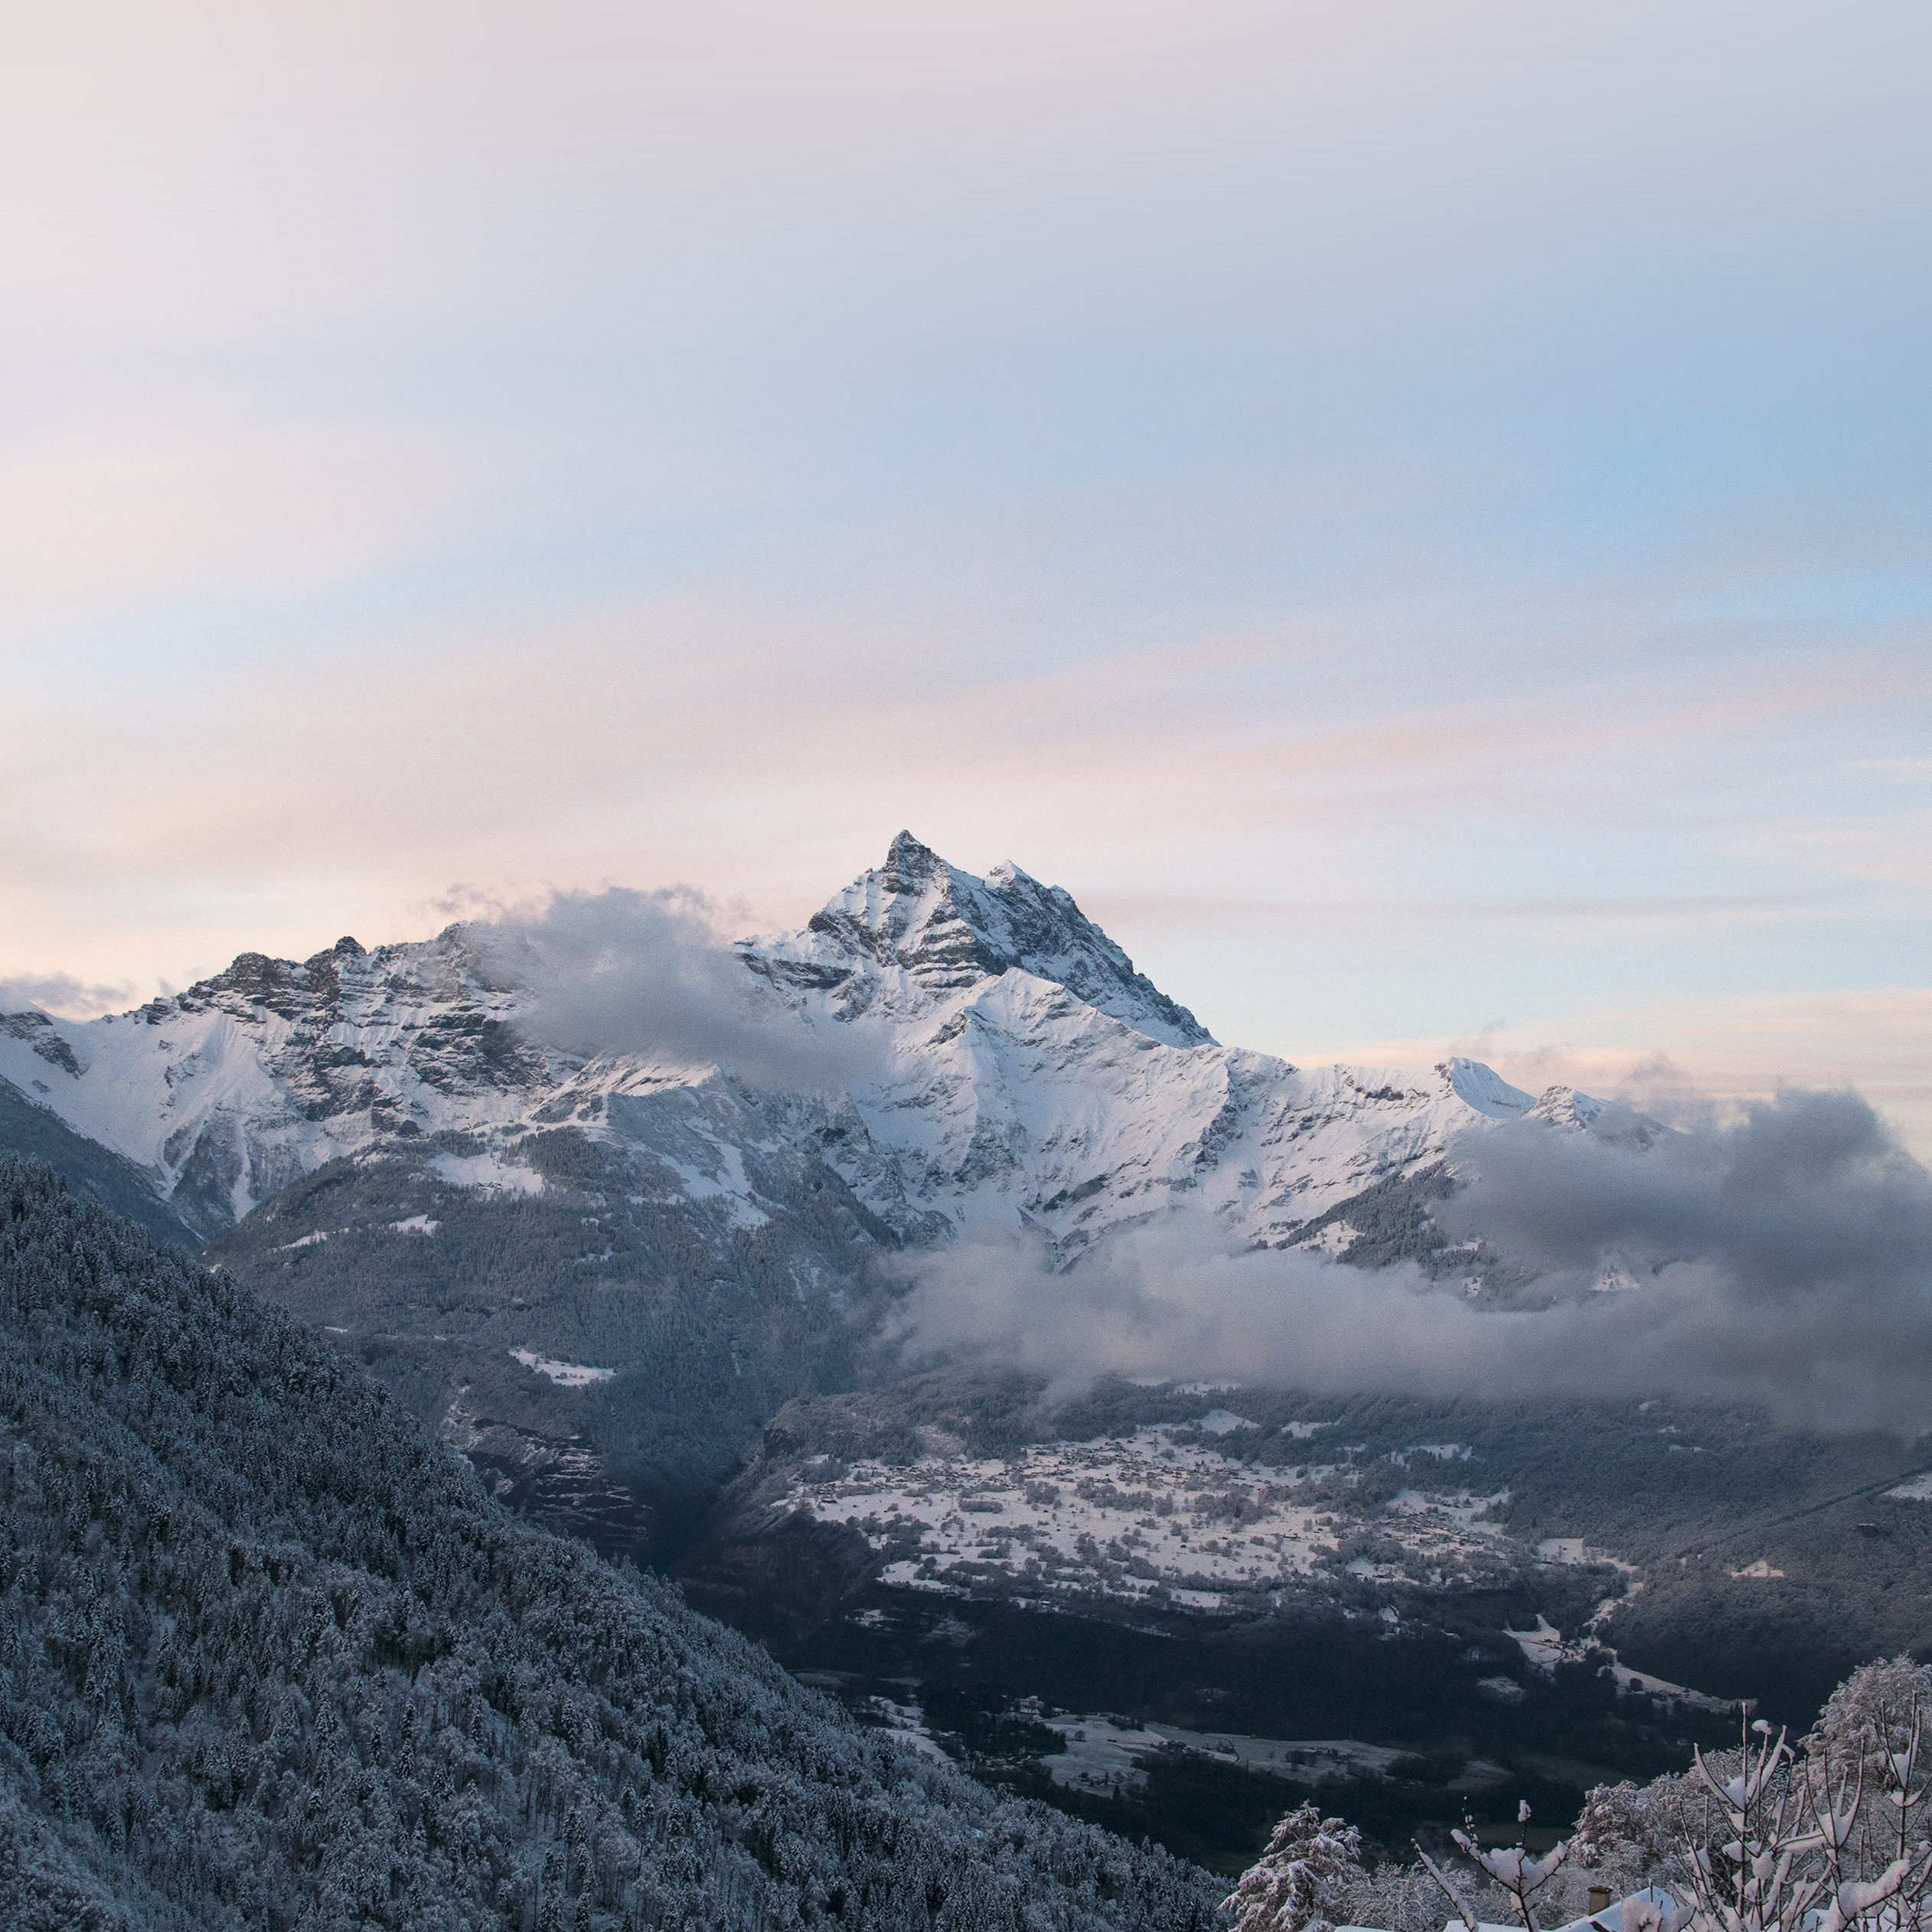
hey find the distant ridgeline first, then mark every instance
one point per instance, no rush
(269, 1657)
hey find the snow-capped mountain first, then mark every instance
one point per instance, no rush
(1016, 1071)
(899, 942)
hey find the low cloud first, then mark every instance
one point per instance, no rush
(652, 974)
(1784, 1257)
(62, 994)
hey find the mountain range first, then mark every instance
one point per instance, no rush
(999, 1063)
(623, 1216)
(600, 1269)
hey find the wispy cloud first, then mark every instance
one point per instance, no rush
(61, 993)
(170, 504)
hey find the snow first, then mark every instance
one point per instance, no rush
(1481, 1088)
(1611, 1918)
(999, 1092)
(1761, 1569)
(416, 1224)
(915, 1741)
(568, 1374)
(1097, 1753)
(1919, 1489)
(922, 920)
(1221, 1422)
(307, 1241)
(1149, 1518)
(1546, 1648)
(488, 1173)
(727, 1183)
(1335, 1240)
(905, 1724)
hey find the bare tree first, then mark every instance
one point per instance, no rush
(1781, 1848)
(1513, 1867)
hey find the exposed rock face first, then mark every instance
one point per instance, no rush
(228, 1091)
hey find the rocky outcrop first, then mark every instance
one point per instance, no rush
(918, 924)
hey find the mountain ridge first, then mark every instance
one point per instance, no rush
(1026, 1074)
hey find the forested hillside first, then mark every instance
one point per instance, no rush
(37, 1133)
(268, 1657)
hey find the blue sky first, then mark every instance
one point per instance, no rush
(1419, 516)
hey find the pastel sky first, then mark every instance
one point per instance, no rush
(1417, 515)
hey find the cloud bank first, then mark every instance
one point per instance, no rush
(651, 973)
(1785, 1258)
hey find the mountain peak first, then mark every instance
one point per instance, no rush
(947, 929)
(908, 857)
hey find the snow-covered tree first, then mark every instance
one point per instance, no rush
(1868, 1735)
(270, 1656)
(1629, 1835)
(1395, 1897)
(1283, 1891)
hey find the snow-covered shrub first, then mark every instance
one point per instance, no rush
(1393, 1896)
(1770, 1839)
(1515, 1869)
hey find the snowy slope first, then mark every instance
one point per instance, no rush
(1022, 1074)
(1031, 1078)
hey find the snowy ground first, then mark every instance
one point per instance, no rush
(1546, 1648)
(488, 1173)
(569, 1375)
(1152, 1517)
(1574, 1549)
(1099, 1755)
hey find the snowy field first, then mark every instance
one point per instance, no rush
(1544, 1647)
(1099, 1755)
(569, 1375)
(1155, 1517)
